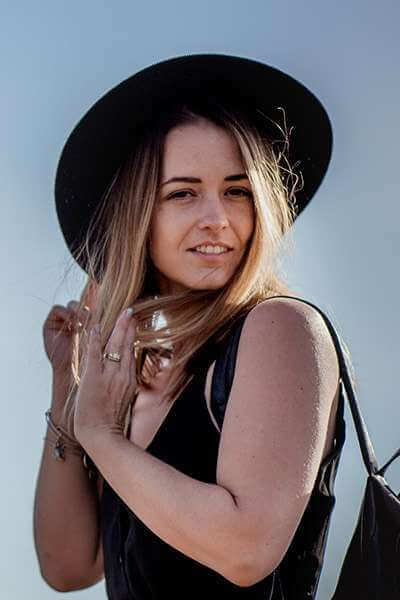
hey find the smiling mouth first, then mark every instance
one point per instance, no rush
(210, 253)
(212, 256)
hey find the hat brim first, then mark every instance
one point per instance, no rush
(105, 135)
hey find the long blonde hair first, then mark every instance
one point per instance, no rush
(116, 249)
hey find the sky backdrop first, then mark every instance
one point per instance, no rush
(56, 59)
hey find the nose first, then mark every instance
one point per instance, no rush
(213, 214)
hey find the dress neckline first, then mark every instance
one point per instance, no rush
(200, 377)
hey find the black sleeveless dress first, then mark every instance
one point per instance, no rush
(139, 565)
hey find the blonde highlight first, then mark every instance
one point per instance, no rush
(116, 252)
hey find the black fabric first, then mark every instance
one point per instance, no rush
(371, 566)
(141, 566)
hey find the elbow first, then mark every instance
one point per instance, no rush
(63, 583)
(257, 554)
(253, 564)
(69, 575)
(50, 576)
(57, 584)
(248, 575)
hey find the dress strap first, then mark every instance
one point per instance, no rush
(225, 368)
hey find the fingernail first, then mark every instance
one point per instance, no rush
(129, 311)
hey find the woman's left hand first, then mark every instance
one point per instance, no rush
(107, 386)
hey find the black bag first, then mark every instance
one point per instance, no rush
(371, 568)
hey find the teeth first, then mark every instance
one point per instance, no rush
(211, 249)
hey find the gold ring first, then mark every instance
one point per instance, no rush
(114, 356)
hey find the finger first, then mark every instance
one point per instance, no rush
(80, 315)
(58, 312)
(88, 295)
(128, 362)
(82, 318)
(86, 310)
(77, 307)
(93, 355)
(116, 340)
(57, 319)
(69, 319)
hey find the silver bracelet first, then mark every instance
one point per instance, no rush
(63, 442)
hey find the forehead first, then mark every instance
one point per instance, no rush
(199, 145)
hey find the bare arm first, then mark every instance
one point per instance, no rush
(66, 509)
(66, 518)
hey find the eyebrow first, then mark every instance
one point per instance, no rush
(237, 177)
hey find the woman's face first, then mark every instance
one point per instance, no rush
(204, 204)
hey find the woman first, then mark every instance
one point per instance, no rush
(175, 193)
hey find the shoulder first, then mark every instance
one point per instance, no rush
(287, 310)
(289, 326)
(286, 345)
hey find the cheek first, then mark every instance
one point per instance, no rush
(245, 223)
(164, 234)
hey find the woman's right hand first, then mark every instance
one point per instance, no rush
(59, 331)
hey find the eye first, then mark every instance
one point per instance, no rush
(180, 194)
(240, 192)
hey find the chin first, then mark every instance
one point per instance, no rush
(209, 285)
(208, 282)
(205, 288)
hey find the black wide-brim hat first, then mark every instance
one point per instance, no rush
(106, 134)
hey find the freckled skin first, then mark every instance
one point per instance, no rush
(189, 213)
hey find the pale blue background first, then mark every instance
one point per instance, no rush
(56, 59)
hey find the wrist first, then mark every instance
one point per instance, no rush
(64, 445)
(58, 416)
(62, 378)
(61, 391)
(93, 437)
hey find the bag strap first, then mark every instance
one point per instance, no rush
(364, 440)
